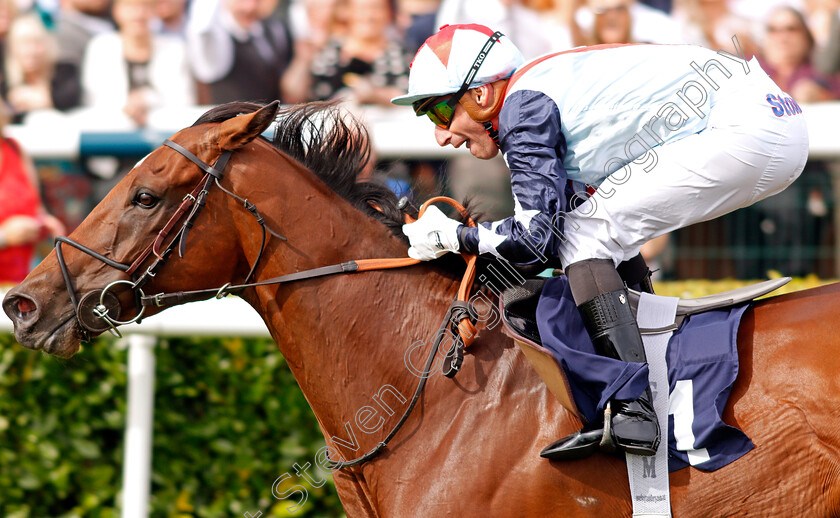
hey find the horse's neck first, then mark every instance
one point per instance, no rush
(346, 339)
(345, 336)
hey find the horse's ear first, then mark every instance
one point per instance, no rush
(238, 131)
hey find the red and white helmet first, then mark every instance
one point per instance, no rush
(444, 60)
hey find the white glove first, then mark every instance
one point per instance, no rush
(432, 235)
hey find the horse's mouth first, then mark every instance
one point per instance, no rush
(62, 341)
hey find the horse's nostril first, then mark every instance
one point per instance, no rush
(20, 308)
(25, 306)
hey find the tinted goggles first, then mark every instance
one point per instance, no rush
(440, 110)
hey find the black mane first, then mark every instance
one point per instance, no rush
(331, 144)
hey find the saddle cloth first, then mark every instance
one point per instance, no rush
(702, 360)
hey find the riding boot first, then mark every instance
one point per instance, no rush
(615, 334)
(607, 316)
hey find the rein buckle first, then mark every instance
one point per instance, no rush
(222, 293)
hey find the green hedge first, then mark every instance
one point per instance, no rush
(229, 420)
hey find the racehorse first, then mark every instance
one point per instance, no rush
(471, 446)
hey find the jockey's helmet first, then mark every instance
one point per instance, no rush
(448, 58)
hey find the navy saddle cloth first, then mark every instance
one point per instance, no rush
(702, 361)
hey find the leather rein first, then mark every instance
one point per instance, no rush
(97, 306)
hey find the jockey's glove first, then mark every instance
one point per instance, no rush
(432, 235)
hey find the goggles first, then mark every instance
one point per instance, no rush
(441, 111)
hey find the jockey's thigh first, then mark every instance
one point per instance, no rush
(744, 155)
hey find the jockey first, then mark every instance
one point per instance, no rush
(668, 135)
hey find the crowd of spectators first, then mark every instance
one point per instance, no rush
(143, 54)
(128, 57)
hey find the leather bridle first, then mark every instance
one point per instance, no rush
(190, 207)
(458, 319)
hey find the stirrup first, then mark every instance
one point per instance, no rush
(608, 443)
(635, 427)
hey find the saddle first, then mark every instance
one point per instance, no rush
(518, 306)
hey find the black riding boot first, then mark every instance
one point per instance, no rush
(636, 274)
(614, 333)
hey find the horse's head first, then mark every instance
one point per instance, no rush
(116, 254)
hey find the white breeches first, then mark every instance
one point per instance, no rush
(746, 154)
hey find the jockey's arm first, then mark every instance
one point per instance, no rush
(534, 148)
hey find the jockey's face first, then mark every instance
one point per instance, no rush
(465, 130)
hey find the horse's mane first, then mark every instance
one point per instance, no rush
(333, 145)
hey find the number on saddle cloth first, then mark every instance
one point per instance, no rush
(539, 317)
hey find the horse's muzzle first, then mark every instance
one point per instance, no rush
(59, 337)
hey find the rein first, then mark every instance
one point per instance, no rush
(99, 304)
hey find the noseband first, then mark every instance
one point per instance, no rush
(101, 306)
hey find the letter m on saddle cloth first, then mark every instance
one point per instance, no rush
(542, 318)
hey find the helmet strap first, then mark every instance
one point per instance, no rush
(492, 131)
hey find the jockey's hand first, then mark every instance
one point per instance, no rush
(432, 235)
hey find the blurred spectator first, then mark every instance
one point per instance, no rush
(367, 66)
(23, 220)
(612, 22)
(327, 19)
(172, 17)
(30, 64)
(130, 73)
(557, 19)
(416, 19)
(758, 10)
(77, 23)
(786, 57)
(516, 21)
(615, 17)
(666, 6)
(236, 51)
(313, 23)
(8, 12)
(825, 16)
(819, 16)
(135, 70)
(712, 24)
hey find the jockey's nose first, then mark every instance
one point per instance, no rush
(443, 136)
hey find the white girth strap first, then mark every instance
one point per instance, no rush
(649, 475)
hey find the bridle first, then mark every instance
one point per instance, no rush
(89, 310)
(458, 320)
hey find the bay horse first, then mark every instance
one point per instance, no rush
(471, 446)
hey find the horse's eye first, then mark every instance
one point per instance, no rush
(145, 199)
